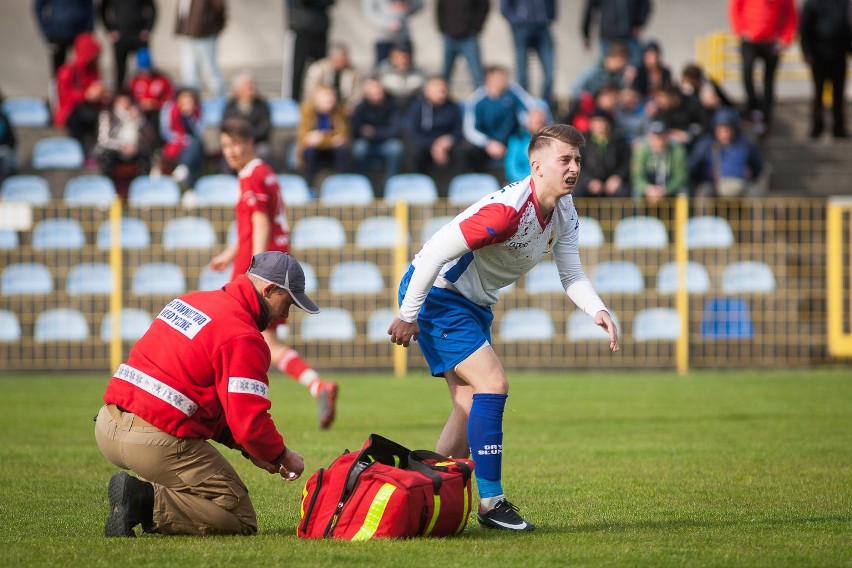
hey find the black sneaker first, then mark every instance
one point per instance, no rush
(504, 516)
(131, 502)
(327, 404)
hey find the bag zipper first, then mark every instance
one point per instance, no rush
(344, 495)
(313, 502)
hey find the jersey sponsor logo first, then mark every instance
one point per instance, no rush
(243, 385)
(156, 388)
(184, 318)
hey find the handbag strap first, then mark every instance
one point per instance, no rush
(416, 462)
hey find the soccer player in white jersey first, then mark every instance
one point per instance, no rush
(446, 296)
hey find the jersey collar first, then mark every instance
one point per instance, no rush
(249, 168)
(541, 220)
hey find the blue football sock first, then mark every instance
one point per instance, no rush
(485, 434)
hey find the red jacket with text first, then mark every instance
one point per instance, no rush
(764, 21)
(200, 370)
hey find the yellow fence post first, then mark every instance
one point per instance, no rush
(682, 299)
(400, 263)
(116, 300)
(839, 342)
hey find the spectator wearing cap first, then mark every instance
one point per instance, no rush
(248, 104)
(517, 161)
(390, 20)
(658, 166)
(399, 76)
(129, 24)
(725, 163)
(60, 22)
(460, 23)
(336, 70)
(530, 21)
(151, 88)
(618, 21)
(606, 160)
(652, 75)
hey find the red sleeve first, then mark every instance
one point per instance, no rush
(789, 22)
(254, 193)
(493, 223)
(244, 392)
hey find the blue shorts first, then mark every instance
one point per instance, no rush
(452, 327)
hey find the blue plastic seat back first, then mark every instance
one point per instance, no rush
(526, 324)
(218, 190)
(331, 324)
(415, 189)
(319, 233)
(158, 279)
(134, 324)
(61, 324)
(748, 277)
(146, 191)
(377, 233)
(294, 190)
(697, 279)
(346, 189)
(591, 233)
(89, 190)
(618, 277)
(356, 277)
(189, 233)
(708, 232)
(727, 318)
(656, 324)
(34, 190)
(465, 189)
(89, 278)
(58, 152)
(28, 112)
(284, 112)
(10, 327)
(377, 325)
(134, 234)
(544, 279)
(58, 234)
(640, 233)
(26, 279)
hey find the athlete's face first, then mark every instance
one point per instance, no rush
(557, 167)
(236, 151)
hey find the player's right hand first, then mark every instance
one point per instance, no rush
(402, 332)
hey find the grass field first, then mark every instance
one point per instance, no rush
(717, 469)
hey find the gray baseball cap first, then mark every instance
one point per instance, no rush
(284, 271)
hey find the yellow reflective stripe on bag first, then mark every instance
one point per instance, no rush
(466, 509)
(375, 513)
(436, 510)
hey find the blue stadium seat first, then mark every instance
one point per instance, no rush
(526, 324)
(656, 324)
(58, 234)
(319, 233)
(145, 191)
(284, 112)
(708, 232)
(57, 152)
(697, 279)
(331, 324)
(89, 278)
(134, 324)
(28, 112)
(582, 327)
(726, 318)
(134, 234)
(210, 279)
(748, 277)
(377, 325)
(28, 189)
(377, 233)
(618, 277)
(469, 188)
(356, 277)
(431, 226)
(189, 233)
(212, 110)
(346, 189)
(591, 234)
(543, 279)
(10, 328)
(640, 233)
(158, 279)
(9, 239)
(26, 279)
(89, 190)
(294, 189)
(217, 190)
(415, 189)
(61, 324)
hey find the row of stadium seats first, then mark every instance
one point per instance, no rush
(366, 278)
(337, 324)
(325, 232)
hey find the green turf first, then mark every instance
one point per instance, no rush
(718, 469)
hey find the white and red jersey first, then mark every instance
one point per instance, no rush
(259, 191)
(201, 368)
(494, 242)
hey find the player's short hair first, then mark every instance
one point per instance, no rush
(237, 128)
(562, 132)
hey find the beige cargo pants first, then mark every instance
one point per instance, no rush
(196, 490)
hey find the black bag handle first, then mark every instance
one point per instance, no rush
(416, 462)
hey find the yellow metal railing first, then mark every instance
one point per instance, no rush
(839, 275)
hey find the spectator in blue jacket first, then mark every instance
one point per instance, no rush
(433, 133)
(493, 113)
(618, 20)
(530, 21)
(725, 163)
(60, 22)
(375, 129)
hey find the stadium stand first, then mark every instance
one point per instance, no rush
(748, 277)
(618, 277)
(212, 109)
(591, 233)
(9, 239)
(727, 318)
(416, 189)
(318, 233)
(377, 233)
(543, 279)
(697, 279)
(294, 190)
(89, 190)
(580, 327)
(31, 189)
(346, 189)
(134, 234)
(355, 277)
(61, 324)
(465, 189)
(58, 234)
(188, 233)
(640, 233)
(377, 325)
(431, 226)
(216, 190)
(526, 324)
(89, 278)
(210, 279)
(146, 191)
(284, 112)
(158, 279)
(331, 324)
(26, 279)
(708, 232)
(656, 324)
(311, 282)
(26, 112)
(57, 152)
(134, 323)
(10, 327)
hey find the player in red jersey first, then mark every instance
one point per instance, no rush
(262, 226)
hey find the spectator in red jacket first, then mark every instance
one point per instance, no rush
(198, 374)
(80, 94)
(151, 88)
(765, 29)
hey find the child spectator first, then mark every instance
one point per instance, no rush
(399, 76)
(606, 161)
(323, 133)
(181, 130)
(247, 104)
(390, 19)
(376, 130)
(517, 161)
(124, 137)
(659, 165)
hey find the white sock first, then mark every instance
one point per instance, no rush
(488, 503)
(310, 379)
